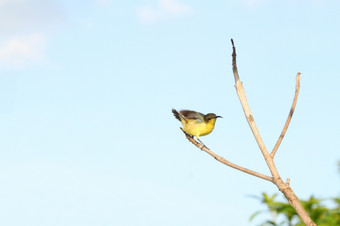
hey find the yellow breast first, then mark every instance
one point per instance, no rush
(198, 128)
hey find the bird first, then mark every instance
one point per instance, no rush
(195, 123)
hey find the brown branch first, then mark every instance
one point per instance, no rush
(284, 130)
(224, 161)
(235, 72)
(282, 186)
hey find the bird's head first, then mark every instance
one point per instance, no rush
(211, 116)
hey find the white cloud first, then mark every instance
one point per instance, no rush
(25, 28)
(18, 51)
(164, 9)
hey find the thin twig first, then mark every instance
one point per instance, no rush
(224, 161)
(284, 130)
(237, 78)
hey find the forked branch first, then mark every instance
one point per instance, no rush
(281, 185)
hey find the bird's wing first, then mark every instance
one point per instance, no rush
(192, 115)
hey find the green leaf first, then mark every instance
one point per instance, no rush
(254, 215)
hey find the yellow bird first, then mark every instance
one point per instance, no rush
(195, 123)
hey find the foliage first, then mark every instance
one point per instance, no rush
(316, 208)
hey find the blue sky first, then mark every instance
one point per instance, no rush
(86, 90)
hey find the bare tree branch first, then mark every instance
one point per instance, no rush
(224, 161)
(246, 109)
(284, 130)
(282, 186)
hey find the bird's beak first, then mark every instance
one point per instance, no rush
(218, 117)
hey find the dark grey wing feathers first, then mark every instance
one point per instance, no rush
(192, 115)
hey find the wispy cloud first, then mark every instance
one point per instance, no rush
(163, 9)
(21, 50)
(25, 27)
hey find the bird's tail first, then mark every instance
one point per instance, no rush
(176, 114)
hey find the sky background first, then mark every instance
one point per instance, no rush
(87, 136)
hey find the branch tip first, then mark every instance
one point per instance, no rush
(236, 77)
(289, 118)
